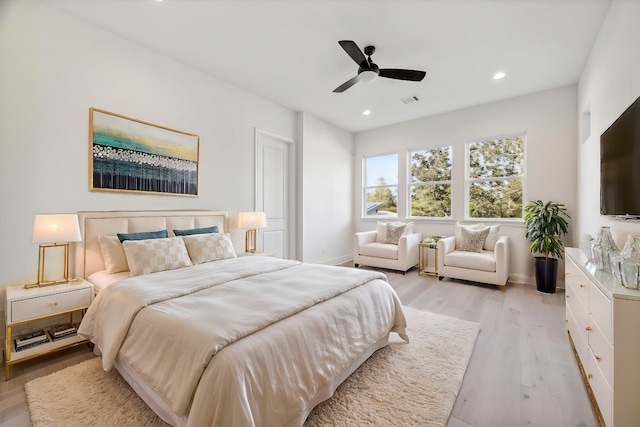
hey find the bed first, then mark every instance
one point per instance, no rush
(226, 340)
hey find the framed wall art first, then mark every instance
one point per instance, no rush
(126, 154)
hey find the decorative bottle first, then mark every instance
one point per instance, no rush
(630, 263)
(605, 249)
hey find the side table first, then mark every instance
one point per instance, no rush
(424, 249)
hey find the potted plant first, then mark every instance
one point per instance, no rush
(546, 224)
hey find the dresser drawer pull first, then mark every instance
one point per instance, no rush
(589, 376)
(582, 285)
(588, 328)
(55, 303)
(567, 296)
(598, 358)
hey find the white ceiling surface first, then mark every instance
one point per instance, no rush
(287, 51)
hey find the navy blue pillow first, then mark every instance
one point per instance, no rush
(192, 231)
(144, 235)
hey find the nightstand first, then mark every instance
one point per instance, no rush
(36, 309)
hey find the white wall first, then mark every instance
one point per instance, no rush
(609, 83)
(549, 120)
(325, 193)
(53, 69)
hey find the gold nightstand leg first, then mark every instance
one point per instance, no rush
(7, 355)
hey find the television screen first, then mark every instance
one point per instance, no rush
(620, 165)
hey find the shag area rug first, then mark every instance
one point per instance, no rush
(413, 384)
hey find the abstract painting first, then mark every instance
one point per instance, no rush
(126, 154)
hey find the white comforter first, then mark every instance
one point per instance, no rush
(294, 328)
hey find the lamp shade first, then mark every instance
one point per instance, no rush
(56, 228)
(252, 220)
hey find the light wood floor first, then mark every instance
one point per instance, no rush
(522, 371)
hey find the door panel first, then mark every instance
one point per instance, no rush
(272, 192)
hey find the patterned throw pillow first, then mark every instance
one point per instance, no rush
(153, 255)
(394, 232)
(209, 247)
(472, 240)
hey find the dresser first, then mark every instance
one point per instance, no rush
(603, 320)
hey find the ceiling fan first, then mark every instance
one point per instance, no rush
(368, 71)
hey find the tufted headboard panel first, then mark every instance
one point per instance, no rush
(88, 257)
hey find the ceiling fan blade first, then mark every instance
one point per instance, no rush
(399, 74)
(353, 51)
(346, 85)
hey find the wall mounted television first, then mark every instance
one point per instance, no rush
(620, 165)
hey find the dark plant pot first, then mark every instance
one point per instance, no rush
(546, 274)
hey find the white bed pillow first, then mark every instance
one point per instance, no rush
(209, 247)
(154, 255)
(115, 260)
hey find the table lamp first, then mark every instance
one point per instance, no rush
(251, 221)
(54, 231)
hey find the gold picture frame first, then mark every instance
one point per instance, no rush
(130, 155)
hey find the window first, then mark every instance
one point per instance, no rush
(381, 186)
(495, 177)
(430, 183)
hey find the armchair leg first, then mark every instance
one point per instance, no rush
(503, 288)
(440, 278)
(357, 265)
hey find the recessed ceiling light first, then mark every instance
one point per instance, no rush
(366, 112)
(498, 76)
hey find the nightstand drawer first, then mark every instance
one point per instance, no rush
(48, 305)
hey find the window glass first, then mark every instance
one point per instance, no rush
(381, 186)
(430, 183)
(495, 177)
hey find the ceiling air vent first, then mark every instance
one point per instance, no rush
(410, 99)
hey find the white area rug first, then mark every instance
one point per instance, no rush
(413, 384)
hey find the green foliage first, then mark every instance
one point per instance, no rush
(546, 224)
(385, 196)
(494, 168)
(431, 197)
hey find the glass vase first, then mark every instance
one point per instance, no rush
(630, 263)
(605, 250)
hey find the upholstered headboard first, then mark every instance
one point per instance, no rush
(88, 258)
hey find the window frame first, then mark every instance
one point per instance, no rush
(468, 181)
(366, 188)
(410, 184)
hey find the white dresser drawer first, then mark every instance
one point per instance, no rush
(602, 351)
(47, 305)
(601, 390)
(579, 342)
(601, 311)
(580, 315)
(577, 283)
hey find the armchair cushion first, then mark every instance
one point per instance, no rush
(483, 261)
(380, 250)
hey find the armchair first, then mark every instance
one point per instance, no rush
(370, 249)
(485, 266)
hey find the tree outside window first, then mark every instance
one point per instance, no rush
(381, 186)
(430, 186)
(495, 177)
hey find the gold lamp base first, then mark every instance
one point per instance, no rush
(41, 264)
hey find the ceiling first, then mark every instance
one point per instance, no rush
(287, 51)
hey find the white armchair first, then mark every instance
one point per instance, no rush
(486, 266)
(371, 250)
